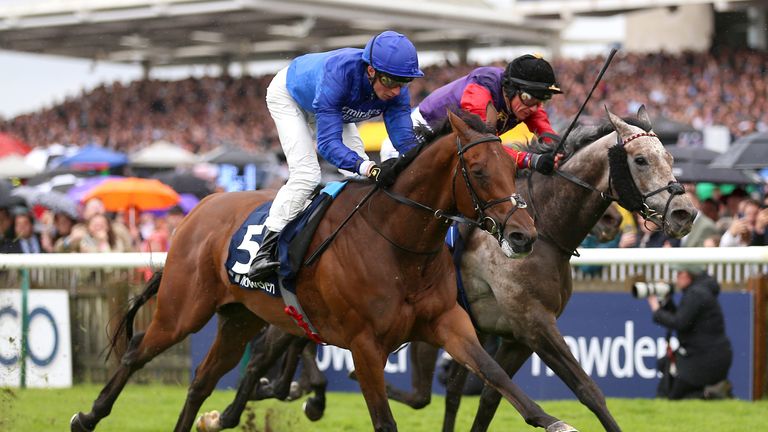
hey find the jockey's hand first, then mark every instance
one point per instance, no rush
(543, 163)
(558, 158)
(387, 172)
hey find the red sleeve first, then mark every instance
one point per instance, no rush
(538, 123)
(522, 159)
(475, 99)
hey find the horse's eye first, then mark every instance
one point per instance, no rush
(641, 160)
(479, 174)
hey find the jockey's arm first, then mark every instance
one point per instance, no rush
(475, 99)
(327, 105)
(397, 119)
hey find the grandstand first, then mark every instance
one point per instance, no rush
(158, 34)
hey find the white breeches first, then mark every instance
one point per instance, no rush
(297, 131)
(388, 149)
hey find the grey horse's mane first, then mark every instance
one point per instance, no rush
(583, 135)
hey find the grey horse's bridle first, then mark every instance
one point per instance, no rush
(620, 181)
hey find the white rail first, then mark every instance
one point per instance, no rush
(736, 255)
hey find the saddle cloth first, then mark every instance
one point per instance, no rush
(292, 243)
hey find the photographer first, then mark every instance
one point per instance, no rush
(699, 367)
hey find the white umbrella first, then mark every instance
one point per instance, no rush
(161, 154)
(15, 166)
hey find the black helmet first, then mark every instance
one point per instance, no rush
(531, 74)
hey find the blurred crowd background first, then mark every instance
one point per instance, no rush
(724, 87)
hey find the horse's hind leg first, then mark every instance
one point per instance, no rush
(453, 330)
(168, 327)
(314, 407)
(274, 345)
(423, 358)
(237, 325)
(457, 377)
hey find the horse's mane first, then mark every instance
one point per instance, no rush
(426, 136)
(583, 135)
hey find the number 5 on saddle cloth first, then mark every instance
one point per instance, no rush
(292, 245)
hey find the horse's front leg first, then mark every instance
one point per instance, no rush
(510, 356)
(453, 330)
(370, 359)
(549, 344)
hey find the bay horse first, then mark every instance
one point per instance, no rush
(386, 278)
(521, 300)
(312, 379)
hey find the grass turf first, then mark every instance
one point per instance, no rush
(156, 407)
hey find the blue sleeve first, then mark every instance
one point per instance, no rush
(327, 105)
(397, 119)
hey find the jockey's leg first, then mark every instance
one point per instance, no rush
(297, 140)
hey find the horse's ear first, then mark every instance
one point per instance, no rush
(618, 124)
(642, 115)
(458, 125)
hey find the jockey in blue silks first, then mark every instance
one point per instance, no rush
(324, 95)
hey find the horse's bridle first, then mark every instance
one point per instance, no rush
(483, 221)
(620, 178)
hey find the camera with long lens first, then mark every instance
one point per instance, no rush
(645, 289)
(642, 288)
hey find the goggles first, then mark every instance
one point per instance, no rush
(528, 100)
(391, 81)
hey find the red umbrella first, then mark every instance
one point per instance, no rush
(12, 145)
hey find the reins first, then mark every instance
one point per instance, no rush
(480, 205)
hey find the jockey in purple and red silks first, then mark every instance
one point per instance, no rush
(510, 96)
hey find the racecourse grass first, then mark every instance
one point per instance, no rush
(153, 408)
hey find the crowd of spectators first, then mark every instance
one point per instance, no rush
(726, 87)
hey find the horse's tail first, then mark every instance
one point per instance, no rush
(126, 323)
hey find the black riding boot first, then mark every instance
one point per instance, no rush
(265, 262)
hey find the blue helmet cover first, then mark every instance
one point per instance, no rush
(393, 54)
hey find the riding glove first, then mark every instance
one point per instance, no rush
(543, 163)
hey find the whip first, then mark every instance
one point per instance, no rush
(597, 81)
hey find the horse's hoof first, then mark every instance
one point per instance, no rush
(561, 426)
(209, 422)
(294, 391)
(313, 410)
(75, 425)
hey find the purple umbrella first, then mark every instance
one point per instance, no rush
(187, 203)
(81, 189)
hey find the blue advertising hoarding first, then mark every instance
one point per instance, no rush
(610, 334)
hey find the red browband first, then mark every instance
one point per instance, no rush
(648, 134)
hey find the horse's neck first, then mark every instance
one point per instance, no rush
(427, 181)
(566, 211)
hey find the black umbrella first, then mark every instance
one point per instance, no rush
(692, 165)
(749, 152)
(7, 199)
(669, 131)
(697, 171)
(691, 153)
(186, 183)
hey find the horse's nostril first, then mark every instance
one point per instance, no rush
(683, 216)
(521, 239)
